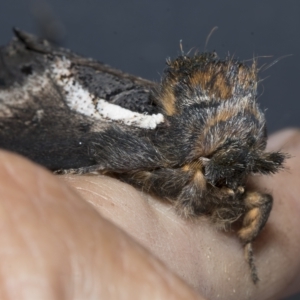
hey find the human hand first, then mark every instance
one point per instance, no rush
(58, 244)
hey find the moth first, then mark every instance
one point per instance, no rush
(193, 139)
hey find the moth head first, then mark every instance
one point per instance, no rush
(230, 164)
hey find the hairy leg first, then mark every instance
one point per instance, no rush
(259, 207)
(185, 186)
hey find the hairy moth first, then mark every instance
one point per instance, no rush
(192, 139)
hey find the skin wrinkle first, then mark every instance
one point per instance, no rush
(20, 230)
(132, 217)
(103, 188)
(98, 206)
(144, 237)
(160, 207)
(85, 190)
(185, 260)
(23, 231)
(35, 256)
(78, 223)
(76, 265)
(156, 251)
(181, 225)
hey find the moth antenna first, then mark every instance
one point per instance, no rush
(256, 57)
(181, 47)
(230, 57)
(262, 79)
(188, 53)
(261, 67)
(262, 92)
(209, 35)
(276, 61)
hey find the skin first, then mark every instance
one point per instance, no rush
(93, 237)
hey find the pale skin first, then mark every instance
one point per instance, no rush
(93, 237)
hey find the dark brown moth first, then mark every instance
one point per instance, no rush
(192, 140)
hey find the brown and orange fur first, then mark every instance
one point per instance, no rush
(213, 137)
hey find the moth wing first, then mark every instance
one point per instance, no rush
(37, 121)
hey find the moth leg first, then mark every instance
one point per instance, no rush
(229, 210)
(185, 187)
(194, 199)
(164, 183)
(258, 208)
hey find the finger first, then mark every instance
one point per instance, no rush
(54, 245)
(194, 250)
(286, 139)
(282, 234)
(210, 260)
